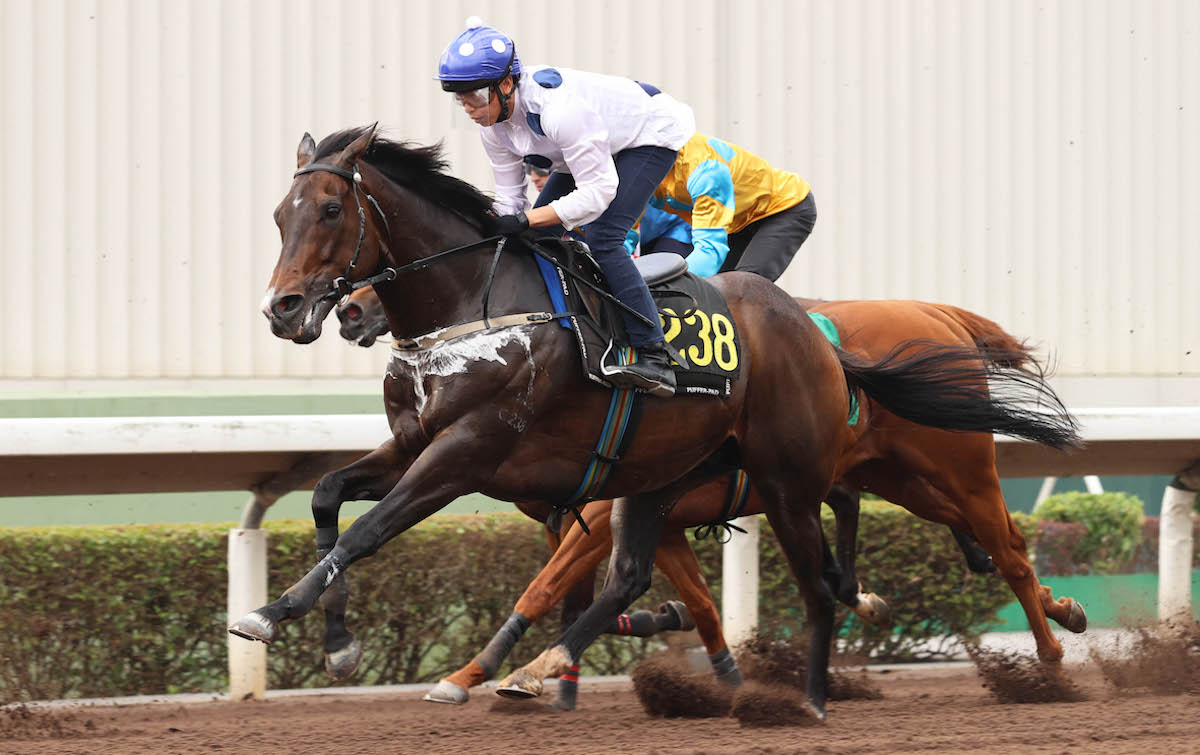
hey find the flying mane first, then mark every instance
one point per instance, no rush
(419, 168)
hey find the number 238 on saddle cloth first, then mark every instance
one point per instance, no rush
(695, 320)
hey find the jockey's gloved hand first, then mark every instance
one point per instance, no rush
(511, 225)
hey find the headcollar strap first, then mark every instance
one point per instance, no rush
(349, 175)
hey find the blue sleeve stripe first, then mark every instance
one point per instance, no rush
(721, 148)
(676, 204)
(712, 178)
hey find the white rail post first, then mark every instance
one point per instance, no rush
(1046, 490)
(248, 571)
(247, 592)
(1175, 547)
(739, 582)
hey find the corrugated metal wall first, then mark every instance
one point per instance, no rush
(1036, 162)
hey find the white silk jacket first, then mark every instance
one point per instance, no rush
(578, 121)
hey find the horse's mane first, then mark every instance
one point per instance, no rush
(419, 168)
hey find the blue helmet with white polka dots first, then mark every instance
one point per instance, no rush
(479, 56)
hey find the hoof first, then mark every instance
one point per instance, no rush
(732, 678)
(1076, 619)
(520, 685)
(681, 614)
(817, 712)
(873, 610)
(448, 693)
(254, 626)
(341, 664)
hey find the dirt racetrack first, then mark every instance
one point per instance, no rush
(947, 711)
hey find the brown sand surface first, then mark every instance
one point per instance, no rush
(945, 711)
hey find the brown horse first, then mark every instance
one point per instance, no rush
(950, 479)
(362, 317)
(363, 320)
(506, 411)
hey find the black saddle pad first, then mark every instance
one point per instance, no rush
(695, 318)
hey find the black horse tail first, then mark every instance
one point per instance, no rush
(967, 389)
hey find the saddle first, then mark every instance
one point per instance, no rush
(695, 318)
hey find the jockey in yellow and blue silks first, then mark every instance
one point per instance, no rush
(607, 140)
(745, 215)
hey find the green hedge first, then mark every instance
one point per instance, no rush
(1111, 533)
(96, 611)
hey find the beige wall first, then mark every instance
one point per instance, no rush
(1036, 162)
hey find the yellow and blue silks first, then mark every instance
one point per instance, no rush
(719, 189)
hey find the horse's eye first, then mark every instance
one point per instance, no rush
(332, 211)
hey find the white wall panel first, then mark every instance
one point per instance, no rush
(1033, 161)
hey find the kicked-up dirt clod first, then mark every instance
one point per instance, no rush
(1015, 678)
(1163, 659)
(668, 688)
(757, 704)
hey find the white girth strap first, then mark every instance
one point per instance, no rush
(429, 340)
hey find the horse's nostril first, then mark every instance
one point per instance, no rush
(286, 305)
(353, 312)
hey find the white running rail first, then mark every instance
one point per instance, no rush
(272, 455)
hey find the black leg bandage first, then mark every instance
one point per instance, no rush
(326, 539)
(502, 644)
(725, 667)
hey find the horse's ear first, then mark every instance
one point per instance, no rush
(357, 148)
(306, 150)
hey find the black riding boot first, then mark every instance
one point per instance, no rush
(651, 372)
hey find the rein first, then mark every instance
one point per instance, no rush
(342, 286)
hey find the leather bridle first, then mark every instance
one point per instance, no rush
(342, 285)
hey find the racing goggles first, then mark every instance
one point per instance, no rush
(474, 99)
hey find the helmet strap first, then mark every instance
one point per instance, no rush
(505, 99)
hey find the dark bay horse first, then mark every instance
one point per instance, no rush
(944, 469)
(507, 412)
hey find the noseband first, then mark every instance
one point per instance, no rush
(342, 285)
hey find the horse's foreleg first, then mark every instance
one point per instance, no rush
(368, 479)
(575, 561)
(636, 524)
(437, 477)
(845, 503)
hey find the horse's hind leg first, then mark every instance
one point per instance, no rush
(636, 524)
(797, 526)
(369, 478)
(574, 561)
(844, 502)
(977, 558)
(677, 560)
(965, 493)
(997, 532)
